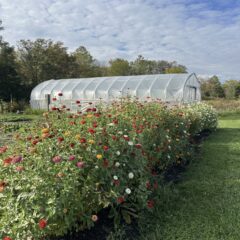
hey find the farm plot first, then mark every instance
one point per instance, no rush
(105, 158)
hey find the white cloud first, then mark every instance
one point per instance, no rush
(204, 38)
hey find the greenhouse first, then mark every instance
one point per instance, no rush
(173, 88)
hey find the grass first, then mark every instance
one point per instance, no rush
(205, 205)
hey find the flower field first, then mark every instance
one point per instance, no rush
(60, 173)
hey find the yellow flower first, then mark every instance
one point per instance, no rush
(67, 133)
(99, 156)
(78, 136)
(89, 115)
(91, 141)
(45, 130)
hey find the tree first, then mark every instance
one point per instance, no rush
(119, 67)
(1, 28)
(212, 88)
(10, 82)
(42, 60)
(84, 65)
(142, 66)
(231, 89)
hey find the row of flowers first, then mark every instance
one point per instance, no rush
(59, 174)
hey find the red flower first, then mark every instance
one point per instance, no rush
(78, 102)
(148, 185)
(114, 138)
(42, 223)
(83, 122)
(105, 163)
(72, 145)
(60, 139)
(95, 125)
(92, 131)
(83, 140)
(60, 94)
(105, 148)
(7, 238)
(150, 203)
(116, 182)
(155, 185)
(54, 108)
(138, 145)
(34, 142)
(120, 200)
(115, 121)
(54, 99)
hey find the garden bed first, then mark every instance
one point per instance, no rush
(115, 158)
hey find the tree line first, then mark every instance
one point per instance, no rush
(32, 62)
(212, 88)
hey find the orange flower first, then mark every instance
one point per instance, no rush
(45, 130)
(99, 156)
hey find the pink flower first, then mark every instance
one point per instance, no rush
(57, 159)
(80, 164)
(19, 168)
(16, 159)
(3, 149)
(71, 158)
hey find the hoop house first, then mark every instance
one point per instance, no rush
(176, 88)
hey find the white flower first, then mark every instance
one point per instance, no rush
(115, 177)
(168, 156)
(118, 153)
(96, 167)
(125, 136)
(120, 132)
(130, 143)
(169, 147)
(130, 175)
(111, 124)
(128, 191)
(94, 151)
(117, 164)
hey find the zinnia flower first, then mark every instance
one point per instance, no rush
(150, 203)
(71, 158)
(94, 218)
(80, 164)
(99, 156)
(7, 238)
(16, 159)
(42, 223)
(57, 159)
(120, 200)
(130, 175)
(128, 191)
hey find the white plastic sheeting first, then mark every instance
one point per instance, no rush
(167, 87)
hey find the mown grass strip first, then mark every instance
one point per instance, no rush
(205, 204)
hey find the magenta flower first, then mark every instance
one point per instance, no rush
(80, 164)
(71, 158)
(17, 159)
(57, 159)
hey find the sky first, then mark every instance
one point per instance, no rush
(203, 35)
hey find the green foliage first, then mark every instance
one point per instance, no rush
(119, 67)
(231, 89)
(10, 81)
(60, 173)
(212, 88)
